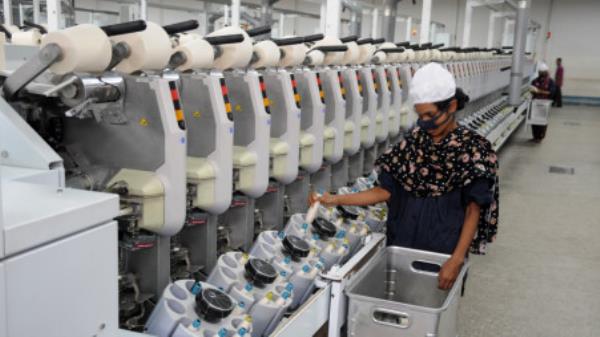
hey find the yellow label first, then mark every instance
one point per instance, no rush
(269, 296)
(143, 121)
(297, 97)
(266, 102)
(238, 108)
(196, 114)
(179, 114)
(248, 318)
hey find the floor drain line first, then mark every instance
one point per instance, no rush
(561, 170)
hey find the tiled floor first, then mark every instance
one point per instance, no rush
(542, 276)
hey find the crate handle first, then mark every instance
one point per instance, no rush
(391, 318)
(425, 267)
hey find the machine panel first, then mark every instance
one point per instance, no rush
(2, 294)
(83, 304)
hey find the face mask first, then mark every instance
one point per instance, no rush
(430, 124)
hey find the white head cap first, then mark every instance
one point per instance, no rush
(432, 83)
(542, 67)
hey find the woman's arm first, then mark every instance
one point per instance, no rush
(369, 197)
(451, 268)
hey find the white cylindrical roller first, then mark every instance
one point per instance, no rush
(410, 55)
(184, 38)
(379, 57)
(425, 55)
(331, 58)
(234, 55)
(27, 38)
(267, 54)
(150, 49)
(444, 56)
(198, 54)
(402, 57)
(419, 55)
(428, 54)
(85, 48)
(436, 55)
(315, 57)
(352, 54)
(366, 52)
(389, 57)
(293, 55)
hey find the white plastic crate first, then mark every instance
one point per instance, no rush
(539, 112)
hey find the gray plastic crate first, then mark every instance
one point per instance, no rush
(396, 296)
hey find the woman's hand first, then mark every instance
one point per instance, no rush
(365, 198)
(326, 199)
(449, 273)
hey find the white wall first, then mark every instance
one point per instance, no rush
(575, 25)
(180, 10)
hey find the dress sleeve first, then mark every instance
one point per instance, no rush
(479, 191)
(387, 182)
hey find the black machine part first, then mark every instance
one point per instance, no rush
(41, 28)
(259, 31)
(313, 38)
(6, 32)
(181, 27)
(260, 272)
(287, 41)
(295, 246)
(329, 49)
(224, 39)
(364, 41)
(213, 305)
(124, 28)
(392, 50)
(351, 38)
(324, 228)
(346, 213)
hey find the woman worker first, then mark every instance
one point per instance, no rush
(440, 182)
(543, 87)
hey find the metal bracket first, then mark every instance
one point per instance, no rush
(31, 69)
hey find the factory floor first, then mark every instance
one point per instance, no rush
(542, 276)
